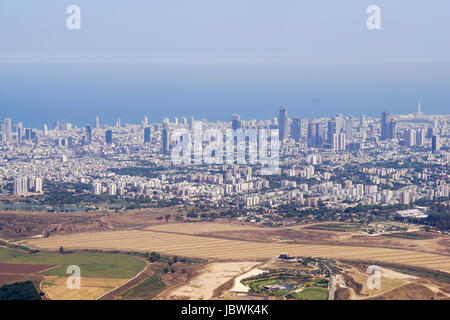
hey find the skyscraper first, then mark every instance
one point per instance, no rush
(435, 143)
(335, 142)
(388, 127)
(311, 134)
(283, 123)
(21, 186)
(236, 122)
(8, 129)
(331, 131)
(362, 121)
(420, 137)
(392, 129)
(88, 132)
(147, 134)
(296, 129)
(342, 141)
(384, 126)
(410, 138)
(97, 123)
(108, 136)
(165, 140)
(349, 129)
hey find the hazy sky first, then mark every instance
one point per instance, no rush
(219, 31)
(213, 58)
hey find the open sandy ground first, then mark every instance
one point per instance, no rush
(237, 284)
(214, 275)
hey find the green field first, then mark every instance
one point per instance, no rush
(339, 227)
(147, 289)
(312, 294)
(92, 265)
(7, 253)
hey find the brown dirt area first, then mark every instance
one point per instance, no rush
(15, 268)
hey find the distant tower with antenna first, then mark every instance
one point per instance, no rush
(419, 110)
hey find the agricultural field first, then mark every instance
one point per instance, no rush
(338, 227)
(100, 272)
(202, 227)
(208, 247)
(164, 275)
(91, 288)
(410, 235)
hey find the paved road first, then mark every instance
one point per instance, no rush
(332, 287)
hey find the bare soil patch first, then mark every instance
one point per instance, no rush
(15, 268)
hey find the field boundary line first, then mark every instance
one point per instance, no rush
(143, 270)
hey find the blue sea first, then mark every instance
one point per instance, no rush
(38, 94)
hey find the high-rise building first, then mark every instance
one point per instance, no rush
(404, 197)
(420, 137)
(88, 132)
(21, 186)
(384, 126)
(108, 136)
(147, 134)
(388, 127)
(362, 121)
(165, 140)
(435, 143)
(236, 122)
(410, 138)
(38, 185)
(2, 131)
(112, 189)
(392, 129)
(335, 142)
(348, 129)
(296, 129)
(45, 130)
(342, 141)
(27, 133)
(8, 129)
(97, 188)
(340, 123)
(283, 123)
(318, 141)
(97, 123)
(311, 135)
(331, 131)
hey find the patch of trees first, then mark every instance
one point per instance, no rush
(19, 291)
